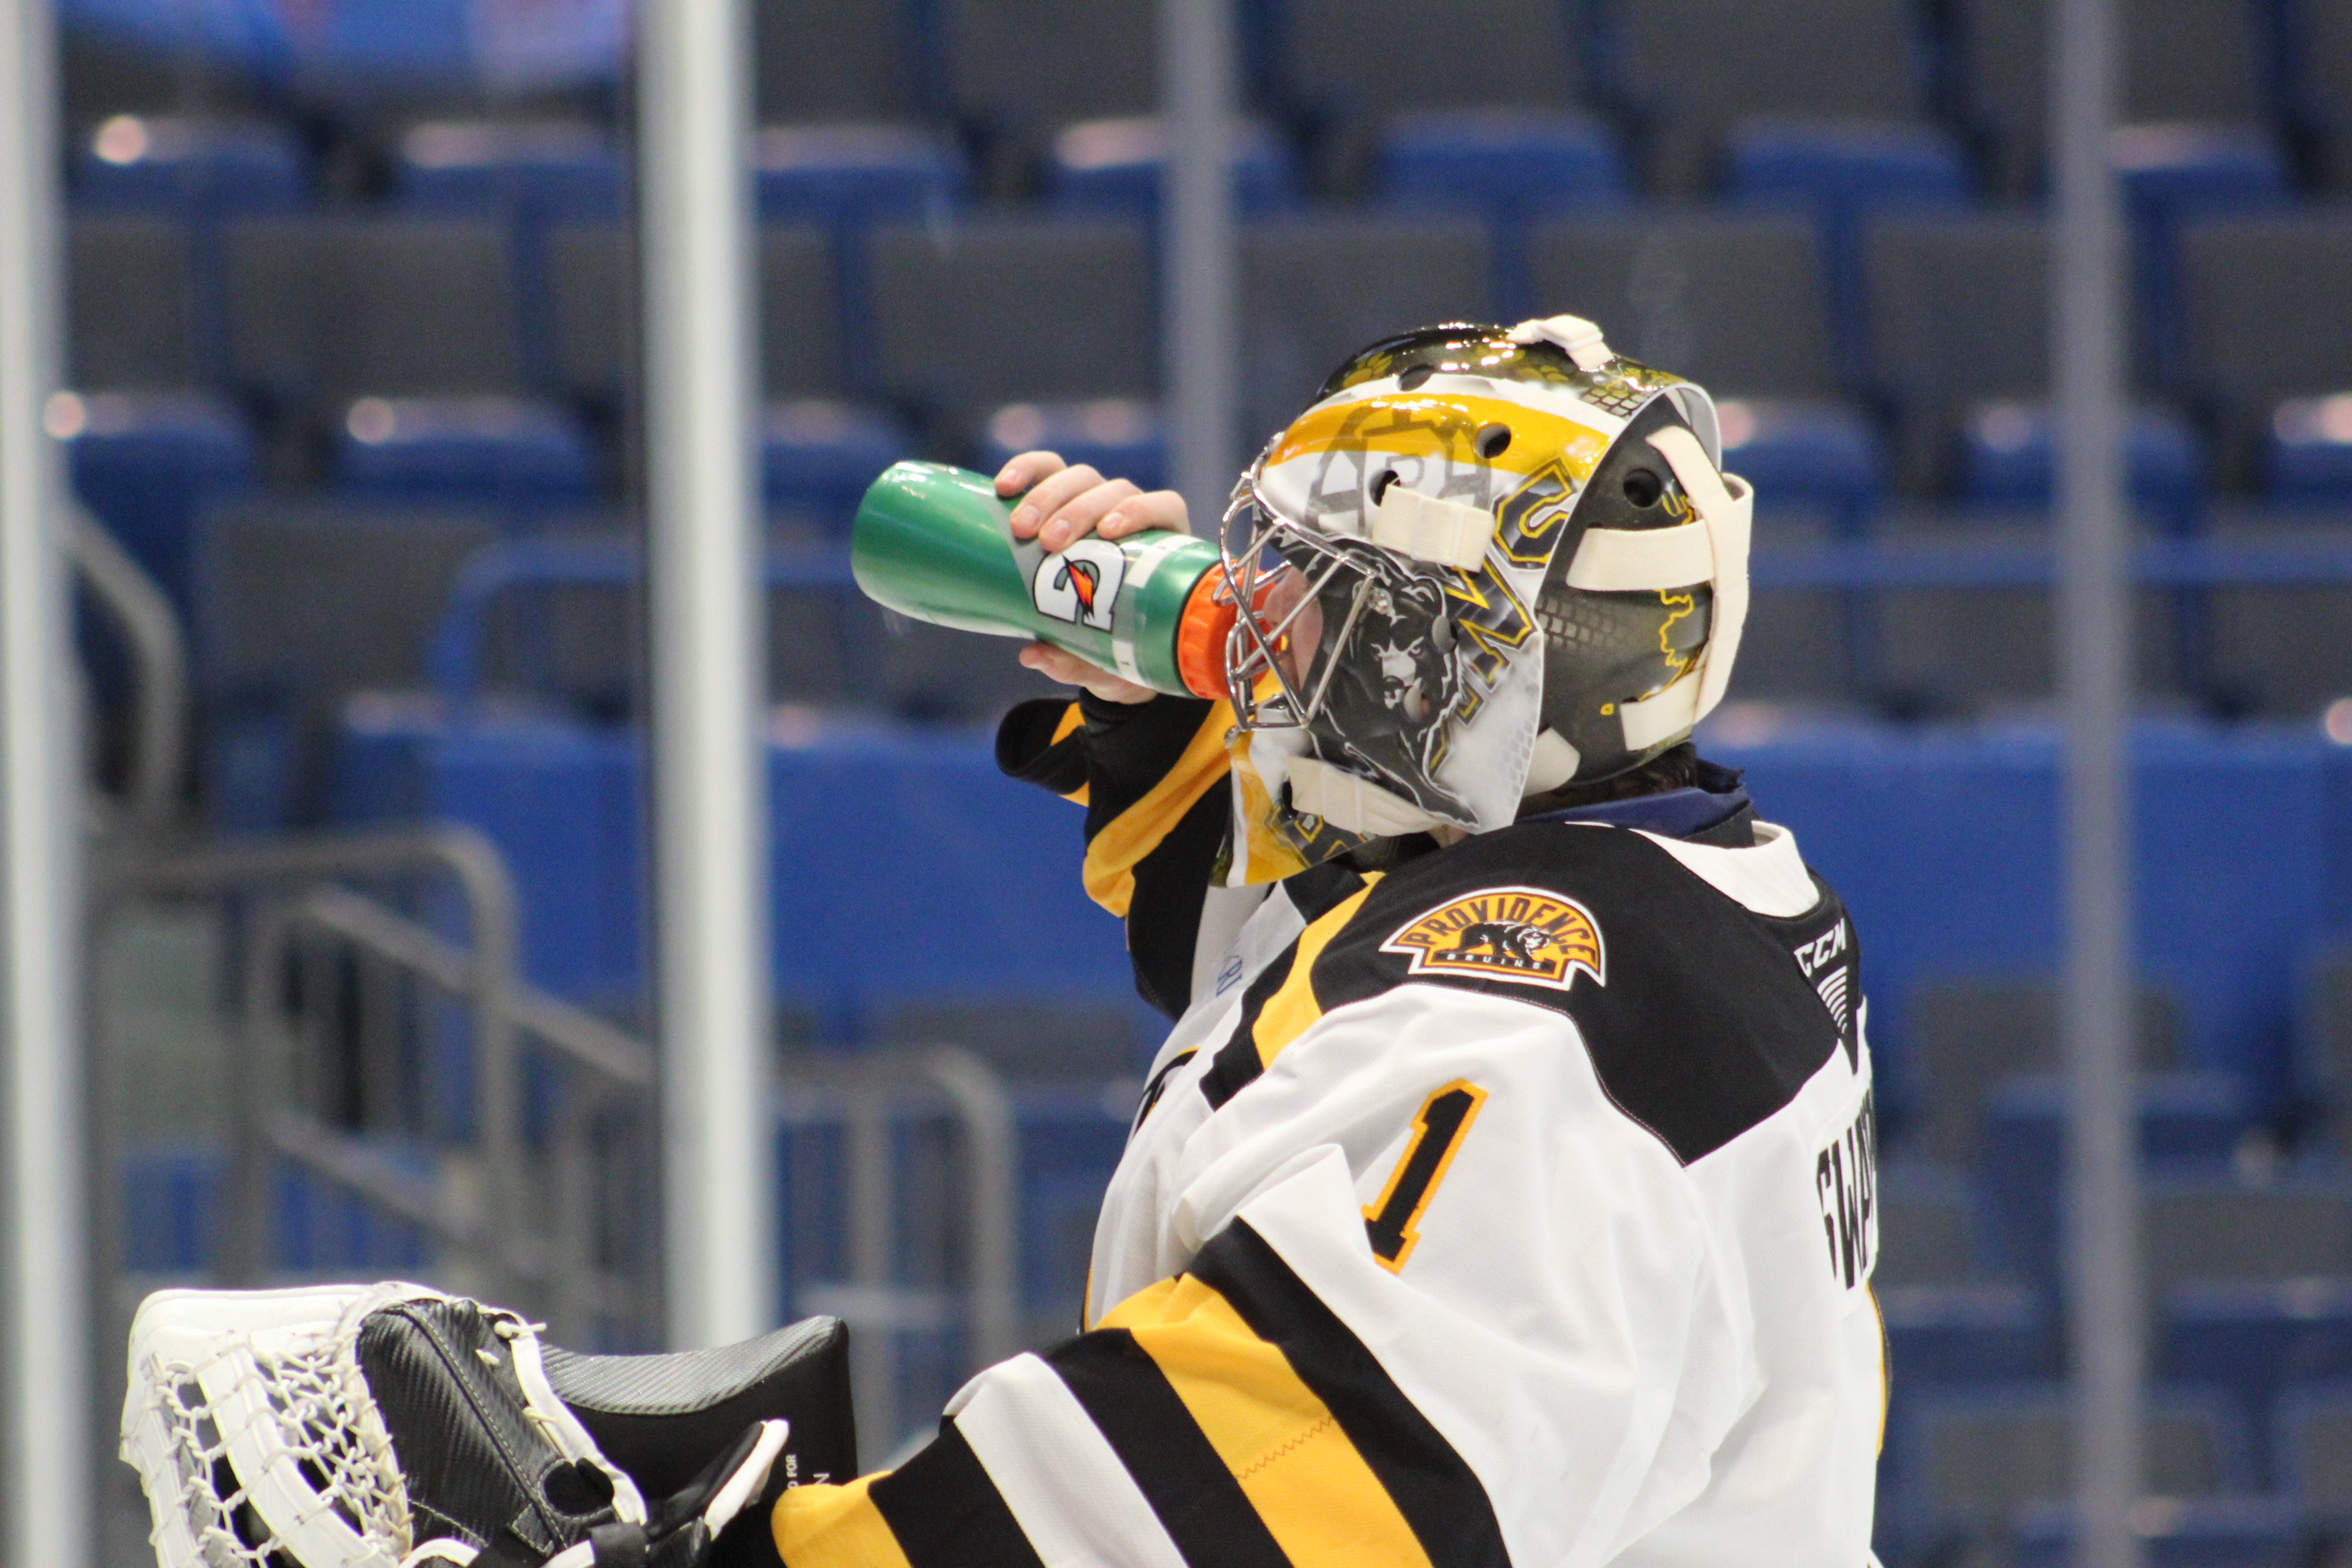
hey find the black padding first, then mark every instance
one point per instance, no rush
(662, 1419)
(475, 1465)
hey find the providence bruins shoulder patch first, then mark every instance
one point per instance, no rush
(1516, 933)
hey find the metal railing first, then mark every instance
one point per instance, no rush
(867, 1098)
(521, 1219)
(159, 660)
(514, 1218)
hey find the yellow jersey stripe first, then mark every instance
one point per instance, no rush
(835, 1527)
(1313, 1491)
(1073, 718)
(1293, 1009)
(1114, 852)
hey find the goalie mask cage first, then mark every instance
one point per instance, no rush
(254, 1433)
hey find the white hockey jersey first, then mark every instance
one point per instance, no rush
(1513, 1207)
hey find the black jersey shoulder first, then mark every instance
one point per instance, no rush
(1702, 1017)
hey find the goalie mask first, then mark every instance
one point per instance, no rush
(1486, 562)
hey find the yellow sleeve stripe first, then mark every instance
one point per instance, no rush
(1114, 852)
(1292, 1010)
(1308, 1484)
(835, 1527)
(1072, 717)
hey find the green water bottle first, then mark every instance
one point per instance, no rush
(935, 543)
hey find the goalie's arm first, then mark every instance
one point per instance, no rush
(1153, 777)
(1410, 1340)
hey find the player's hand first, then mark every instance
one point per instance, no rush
(1071, 670)
(1063, 504)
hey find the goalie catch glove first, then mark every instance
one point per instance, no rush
(389, 1427)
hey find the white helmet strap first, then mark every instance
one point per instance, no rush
(1660, 558)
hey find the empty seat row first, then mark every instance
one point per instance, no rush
(959, 318)
(1680, 72)
(1979, 1473)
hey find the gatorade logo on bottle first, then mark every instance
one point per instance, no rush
(1081, 584)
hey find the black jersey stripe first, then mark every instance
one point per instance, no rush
(1198, 1500)
(1439, 1495)
(947, 1513)
(1236, 1065)
(1324, 904)
(1158, 1087)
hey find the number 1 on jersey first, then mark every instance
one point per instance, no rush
(1394, 1221)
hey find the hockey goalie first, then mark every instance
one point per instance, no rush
(1504, 1193)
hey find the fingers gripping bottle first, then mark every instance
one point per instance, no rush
(935, 543)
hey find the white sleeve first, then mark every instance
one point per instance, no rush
(1443, 1305)
(1563, 1316)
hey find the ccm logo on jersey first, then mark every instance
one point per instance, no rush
(1846, 1181)
(1081, 584)
(1521, 934)
(1820, 952)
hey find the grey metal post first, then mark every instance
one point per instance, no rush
(46, 1297)
(1200, 337)
(2093, 605)
(709, 784)
(992, 1198)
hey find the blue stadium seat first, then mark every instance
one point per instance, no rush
(1000, 308)
(1844, 174)
(2311, 1442)
(2171, 175)
(1971, 1459)
(2268, 314)
(2323, 1038)
(2229, 814)
(2319, 71)
(169, 1209)
(1505, 165)
(1929, 1230)
(1508, 166)
(171, 1214)
(1691, 71)
(520, 456)
(2007, 459)
(203, 170)
(530, 175)
(817, 456)
(2212, 1533)
(1312, 294)
(2309, 457)
(2257, 1337)
(1121, 437)
(1114, 167)
(2190, 1118)
(147, 463)
(2181, 62)
(845, 177)
(1804, 453)
(1990, 1332)
(561, 801)
(536, 173)
(1346, 66)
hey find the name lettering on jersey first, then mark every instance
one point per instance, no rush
(1846, 1181)
(1520, 934)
